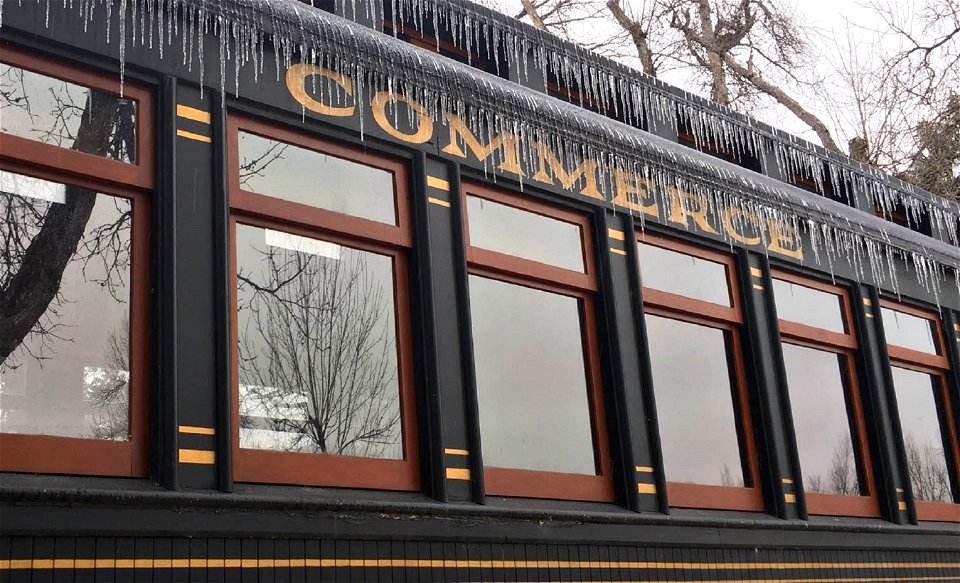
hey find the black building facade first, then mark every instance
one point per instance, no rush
(413, 292)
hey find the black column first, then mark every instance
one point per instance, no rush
(639, 400)
(769, 400)
(195, 288)
(879, 403)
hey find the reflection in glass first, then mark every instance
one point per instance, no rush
(927, 462)
(815, 380)
(908, 331)
(812, 307)
(318, 348)
(512, 231)
(695, 407)
(678, 273)
(64, 310)
(55, 112)
(304, 176)
(531, 380)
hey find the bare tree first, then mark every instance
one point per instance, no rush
(841, 477)
(927, 465)
(39, 239)
(318, 353)
(108, 388)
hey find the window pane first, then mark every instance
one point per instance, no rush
(908, 331)
(505, 229)
(691, 378)
(318, 347)
(303, 176)
(531, 379)
(685, 275)
(55, 112)
(815, 380)
(920, 421)
(804, 305)
(65, 269)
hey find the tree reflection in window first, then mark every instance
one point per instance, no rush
(64, 310)
(318, 352)
(52, 111)
(64, 267)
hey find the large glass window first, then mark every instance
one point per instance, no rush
(919, 373)
(535, 351)
(818, 353)
(73, 272)
(324, 390)
(693, 319)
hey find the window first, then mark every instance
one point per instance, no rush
(532, 285)
(693, 317)
(818, 352)
(323, 363)
(919, 367)
(75, 165)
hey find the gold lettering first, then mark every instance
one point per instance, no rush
(686, 206)
(296, 84)
(505, 142)
(785, 240)
(734, 219)
(424, 121)
(547, 159)
(630, 189)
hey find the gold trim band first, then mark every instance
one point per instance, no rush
(756, 272)
(438, 183)
(618, 251)
(758, 287)
(645, 469)
(451, 451)
(197, 456)
(458, 474)
(615, 234)
(438, 202)
(187, 112)
(45, 564)
(646, 489)
(193, 430)
(194, 137)
(790, 498)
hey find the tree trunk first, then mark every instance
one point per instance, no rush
(807, 117)
(38, 278)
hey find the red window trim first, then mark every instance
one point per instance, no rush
(71, 455)
(844, 345)
(583, 286)
(937, 366)
(277, 467)
(729, 319)
(81, 165)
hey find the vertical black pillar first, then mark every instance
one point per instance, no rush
(450, 452)
(951, 335)
(469, 409)
(163, 389)
(779, 462)
(223, 306)
(196, 377)
(428, 362)
(639, 400)
(879, 403)
(637, 477)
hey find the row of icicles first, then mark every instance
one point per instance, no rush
(246, 29)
